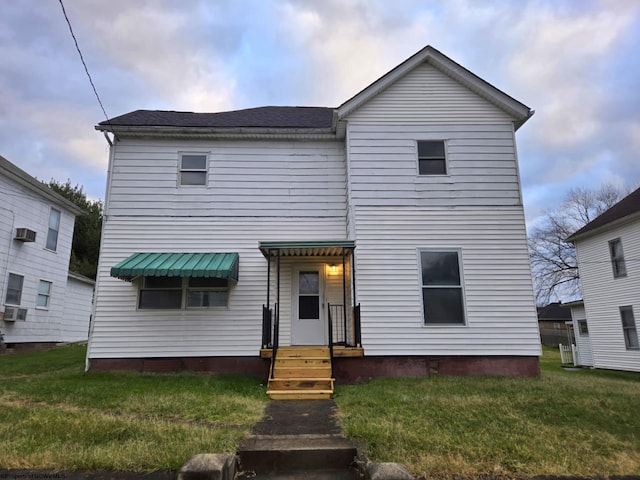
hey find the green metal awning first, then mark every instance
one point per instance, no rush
(208, 265)
(329, 248)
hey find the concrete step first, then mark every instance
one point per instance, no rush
(295, 453)
(341, 474)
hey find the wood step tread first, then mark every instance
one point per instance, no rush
(296, 392)
(326, 379)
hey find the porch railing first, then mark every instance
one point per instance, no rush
(267, 327)
(343, 330)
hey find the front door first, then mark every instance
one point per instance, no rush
(308, 326)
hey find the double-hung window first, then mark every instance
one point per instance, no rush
(629, 328)
(14, 289)
(617, 258)
(431, 157)
(54, 228)
(44, 294)
(442, 292)
(583, 327)
(161, 293)
(193, 169)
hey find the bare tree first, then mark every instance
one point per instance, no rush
(553, 259)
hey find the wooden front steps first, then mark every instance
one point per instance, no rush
(301, 373)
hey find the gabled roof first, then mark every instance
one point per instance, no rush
(626, 209)
(9, 170)
(319, 120)
(519, 111)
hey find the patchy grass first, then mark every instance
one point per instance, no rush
(564, 423)
(53, 415)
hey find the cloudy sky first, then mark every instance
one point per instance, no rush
(577, 63)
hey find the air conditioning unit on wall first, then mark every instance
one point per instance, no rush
(11, 314)
(25, 235)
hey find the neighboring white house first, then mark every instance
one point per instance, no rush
(608, 252)
(398, 215)
(36, 230)
(580, 329)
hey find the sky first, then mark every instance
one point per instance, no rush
(575, 62)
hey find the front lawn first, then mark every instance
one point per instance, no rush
(53, 415)
(583, 423)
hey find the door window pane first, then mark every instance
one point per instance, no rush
(309, 307)
(309, 283)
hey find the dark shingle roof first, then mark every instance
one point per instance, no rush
(261, 117)
(625, 207)
(554, 311)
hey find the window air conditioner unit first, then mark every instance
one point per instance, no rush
(11, 314)
(25, 235)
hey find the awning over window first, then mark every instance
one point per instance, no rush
(319, 248)
(208, 265)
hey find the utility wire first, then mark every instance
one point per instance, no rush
(95, 91)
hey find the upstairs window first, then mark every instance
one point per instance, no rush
(442, 295)
(14, 290)
(54, 229)
(431, 157)
(193, 169)
(44, 294)
(629, 328)
(617, 258)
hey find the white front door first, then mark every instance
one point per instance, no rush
(308, 326)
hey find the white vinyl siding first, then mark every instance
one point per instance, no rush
(604, 295)
(122, 332)
(24, 208)
(427, 95)
(245, 178)
(501, 316)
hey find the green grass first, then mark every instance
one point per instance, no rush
(53, 415)
(564, 423)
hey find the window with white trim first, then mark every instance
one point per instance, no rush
(617, 258)
(14, 289)
(583, 327)
(44, 294)
(629, 328)
(431, 157)
(193, 169)
(442, 292)
(176, 293)
(54, 229)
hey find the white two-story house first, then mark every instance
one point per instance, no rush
(606, 320)
(42, 302)
(389, 229)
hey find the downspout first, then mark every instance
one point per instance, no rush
(105, 211)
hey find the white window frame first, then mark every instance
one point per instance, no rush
(204, 170)
(47, 295)
(629, 331)
(6, 301)
(418, 158)
(50, 229)
(618, 264)
(189, 289)
(465, 318)
(585, 332)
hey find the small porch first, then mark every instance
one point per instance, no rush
(310, 315)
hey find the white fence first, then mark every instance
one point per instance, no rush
(568, 354)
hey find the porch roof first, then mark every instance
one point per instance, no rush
(208, 265)
(316, 248)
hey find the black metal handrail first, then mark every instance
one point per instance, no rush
(330, 322)
(357, 332)
(267, 327)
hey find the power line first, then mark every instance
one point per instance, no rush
(83, 62)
